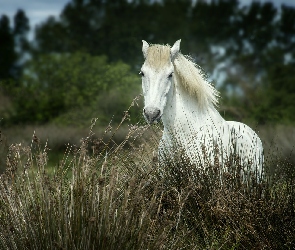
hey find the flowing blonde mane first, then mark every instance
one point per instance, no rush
(193, 79)
(189, 74)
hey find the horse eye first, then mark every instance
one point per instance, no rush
(141, 73)
(170, 75)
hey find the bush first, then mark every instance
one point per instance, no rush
(55, 84)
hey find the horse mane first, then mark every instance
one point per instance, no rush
(189, 74)
(194, 80)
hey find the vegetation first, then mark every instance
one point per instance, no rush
(112, 196)
(248, 51)
(67, 188)
(83, 87)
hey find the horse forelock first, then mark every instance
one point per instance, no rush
(158, 56)
(192, 78)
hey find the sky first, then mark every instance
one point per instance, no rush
(39, 10)
(36, 10)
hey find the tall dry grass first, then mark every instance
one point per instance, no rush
(57, 138)
(109, 195)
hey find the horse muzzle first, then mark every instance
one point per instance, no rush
(152, 114)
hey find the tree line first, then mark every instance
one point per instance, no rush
(248, 52)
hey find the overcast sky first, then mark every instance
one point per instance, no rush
(39, 10)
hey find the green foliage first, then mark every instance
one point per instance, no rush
(246, 40)
(238, 45)
(272, 102)
(7, 53)
(279, 100)
(55, 84)
(13, 45)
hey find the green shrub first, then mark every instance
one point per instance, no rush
(55, 84)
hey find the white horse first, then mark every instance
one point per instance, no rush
(176, 91)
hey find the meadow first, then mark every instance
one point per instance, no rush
(67, 182)
(107, 191)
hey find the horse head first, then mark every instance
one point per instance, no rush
(157, 78)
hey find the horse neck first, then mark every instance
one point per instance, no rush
(183, 111)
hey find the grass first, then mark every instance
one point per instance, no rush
(58, 138)
(109, 195)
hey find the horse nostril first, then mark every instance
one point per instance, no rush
(157, 112)
(151, 114)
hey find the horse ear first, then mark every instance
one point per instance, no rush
(175, 48)
(145, 47)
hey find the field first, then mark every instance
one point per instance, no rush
(67, 181)
(106, 191)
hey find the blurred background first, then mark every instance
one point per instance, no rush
(81, 61)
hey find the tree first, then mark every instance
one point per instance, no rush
(8, 55)
(57, 83)
(279, 99)
(13, 45)
(114, 28)
(21, 43)
(236, 45)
